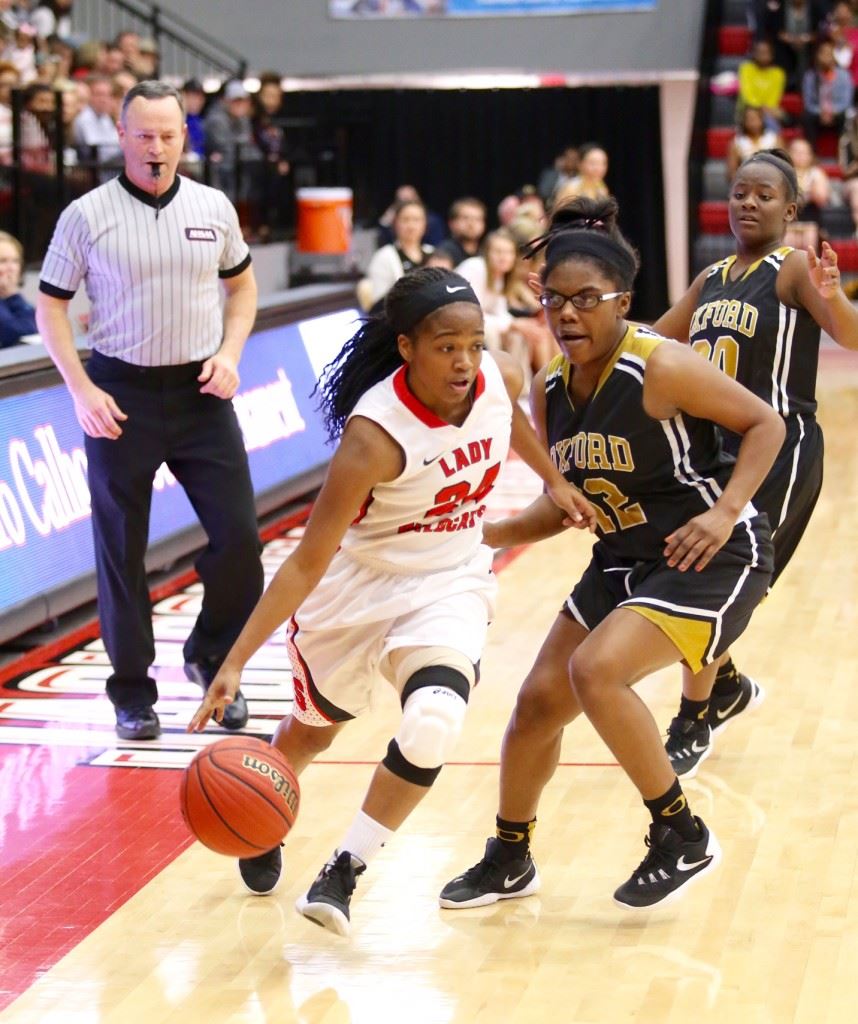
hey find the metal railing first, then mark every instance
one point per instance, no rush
(185, 51)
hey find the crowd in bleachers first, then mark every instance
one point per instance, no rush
(786, 77)
(411, 235)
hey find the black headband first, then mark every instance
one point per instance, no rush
(575, 242)
(775, 161)
(433, 295)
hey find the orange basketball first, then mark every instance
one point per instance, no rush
(239, 796)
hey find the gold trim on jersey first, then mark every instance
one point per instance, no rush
(638, 340)
(692, 637)
(783, 251)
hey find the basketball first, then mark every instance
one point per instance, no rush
(239, 796)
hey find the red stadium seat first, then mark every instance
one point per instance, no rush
(712, 218)
(734, 40)
(718, 142)
(792, 104)
(847, 253)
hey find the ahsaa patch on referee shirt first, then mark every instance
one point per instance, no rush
(200, 235)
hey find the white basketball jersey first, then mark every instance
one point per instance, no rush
(430, 517)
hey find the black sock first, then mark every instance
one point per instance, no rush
(672, 809)
(726, 679)
(693, 710)
(515, 836)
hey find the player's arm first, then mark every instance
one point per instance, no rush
(366, 456)
(96, 411)
(534, 452)
(676, 322)
(542, 518)
(814, 282)
(676, 380)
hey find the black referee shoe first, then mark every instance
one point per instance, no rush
(235, 715)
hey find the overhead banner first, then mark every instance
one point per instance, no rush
(479, 8)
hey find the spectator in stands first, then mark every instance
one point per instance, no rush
(507, 210)
(792, 24)
(9, 79)
(270, 135)
(145, 66)
(194, 98)
(94, 132)
(48, 69)
(406, 252)
(64, 50)
(826, 95)
(751, 136)
(841, 29)
(37, 124)
(814, 194)
(21, 52)
(590, 179)
(530, 204)
(235, 159)
(467, 223)
(17, 316)
(52, 18)
(436, 230)
(123, 82)
(128, 43)
(114, 59)
(90, 58)
(489, 274)
(562, 170)
(848, 159)
(762, 84)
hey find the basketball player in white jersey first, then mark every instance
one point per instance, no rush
(391, 575)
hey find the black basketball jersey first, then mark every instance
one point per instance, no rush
(743, 328)
(646, 477)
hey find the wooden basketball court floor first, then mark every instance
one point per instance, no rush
(109, 913)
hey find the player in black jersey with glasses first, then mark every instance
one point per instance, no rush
(681, 561)
(758, 316)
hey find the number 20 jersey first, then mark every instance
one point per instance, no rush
(646, 477)
(430, 517)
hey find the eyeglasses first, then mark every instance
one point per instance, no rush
(581, 300)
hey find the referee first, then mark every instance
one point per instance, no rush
(151, 248)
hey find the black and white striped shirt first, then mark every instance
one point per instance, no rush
(151, 268)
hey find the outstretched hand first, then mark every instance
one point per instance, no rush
(220, 693)
(580, 513)
(823, 270)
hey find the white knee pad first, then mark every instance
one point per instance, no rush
(432, 720)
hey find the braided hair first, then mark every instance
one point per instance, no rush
(587, 229)
(372, 353)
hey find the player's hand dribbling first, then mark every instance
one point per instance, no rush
(97, 412)
(219, 376)
(698, 541)
(580, 514)
(220, 693)
(823, 270)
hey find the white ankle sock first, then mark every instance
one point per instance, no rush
(365, 837)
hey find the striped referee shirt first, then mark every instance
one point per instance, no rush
(151, 267)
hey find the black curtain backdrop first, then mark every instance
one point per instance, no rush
(488, 144)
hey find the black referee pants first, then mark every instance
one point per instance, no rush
(199, 438)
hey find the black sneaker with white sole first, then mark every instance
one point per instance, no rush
(671, 864)
(723, 708)
(261, 874)
(326, 902)
(689, 743)
(496, 877)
